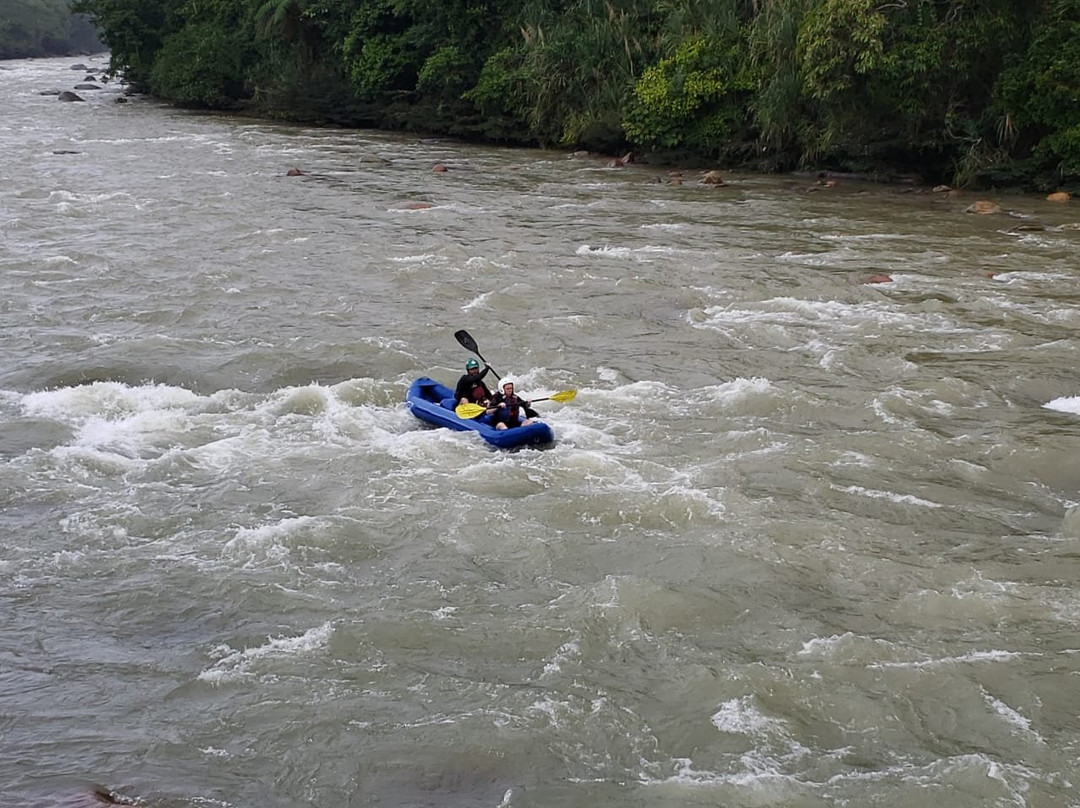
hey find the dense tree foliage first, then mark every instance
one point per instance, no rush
(983, 91)
(34, 28)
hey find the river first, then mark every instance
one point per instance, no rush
(803, 540)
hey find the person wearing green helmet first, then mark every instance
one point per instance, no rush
(470, 387)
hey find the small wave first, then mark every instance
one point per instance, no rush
(478, 301)
(849, 648)
(267, 541)
(1068, 404)
(235, 664)
(422, 258)
(1013, 717)
(105, 400)
(628, 252)
(900, 499)
(963, 659)
(740, 716)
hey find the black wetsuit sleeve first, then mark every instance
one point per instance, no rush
(463, 389)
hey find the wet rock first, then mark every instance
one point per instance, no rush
(439, 168)
(67, 95)
(619, 162)
(712, 178)
(294, 172)
(80, 66)
(87, 86)
(65, 151)
(50, 92)
(92, 796)
(941, 189)
(879, 278)
(984, 208)
(1059, 196)
(417, 206)
(121, 100)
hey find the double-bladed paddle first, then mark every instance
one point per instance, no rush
(476, 410)
(469, 344)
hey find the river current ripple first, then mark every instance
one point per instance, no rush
(803, 540)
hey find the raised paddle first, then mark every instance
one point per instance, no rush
(476, 410)
(469, 344)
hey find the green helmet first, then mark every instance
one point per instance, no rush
(471, 364)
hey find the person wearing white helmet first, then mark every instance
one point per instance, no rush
(510, 409)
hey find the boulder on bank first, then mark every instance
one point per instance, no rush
(984, 208)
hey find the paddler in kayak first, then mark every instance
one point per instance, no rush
(470, 387)
(509, 408)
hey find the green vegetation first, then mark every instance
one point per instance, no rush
(35, 28)
(961, 91)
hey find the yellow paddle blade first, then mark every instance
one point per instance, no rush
(565, 395)
(468, 410)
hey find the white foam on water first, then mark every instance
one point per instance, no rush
(424, 259)
(237, 664)
(739, 389)
(847, 319)
(1013, 717)
(267, 542)
(855, 459)
(478, 301)
(841, 237)
(549, 707)
(975, 657)
(848, 648)
(607, 250)
(1020, 276)
(1069, 404)
(568, 652)
(105, 399)
(631, 252)
(606, 374)
(899, 499)
(742, 717)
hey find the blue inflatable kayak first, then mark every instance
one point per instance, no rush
(434, 403)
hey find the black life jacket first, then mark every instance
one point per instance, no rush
(513, 407)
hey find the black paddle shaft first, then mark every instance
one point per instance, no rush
(469, 344)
